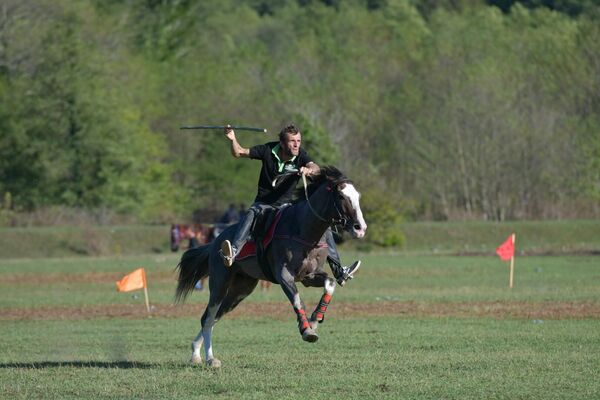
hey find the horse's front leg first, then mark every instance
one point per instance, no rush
(318, 315)
(291, 291)
(320, 279)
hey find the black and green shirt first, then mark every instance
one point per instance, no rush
(273, 166)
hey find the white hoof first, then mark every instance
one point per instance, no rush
(196, 359)
(214, 363)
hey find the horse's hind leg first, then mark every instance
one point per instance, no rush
(208, 322)
(220, 281)
(237, 288)
(196, 347)
(240, 287)
(204, 337)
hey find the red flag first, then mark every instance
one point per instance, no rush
(506, 250)
(132, 281)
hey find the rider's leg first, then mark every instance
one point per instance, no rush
(230, 249)
(342, 274)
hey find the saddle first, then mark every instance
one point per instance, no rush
(262, 234)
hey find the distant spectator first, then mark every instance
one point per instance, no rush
(175, 237)
(191, 235)
(195, 239)
(231, 215)
(242, 211)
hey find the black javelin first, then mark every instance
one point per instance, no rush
(237, 128)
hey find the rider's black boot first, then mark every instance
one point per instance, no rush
(342, 274)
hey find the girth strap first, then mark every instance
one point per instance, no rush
(318, 244)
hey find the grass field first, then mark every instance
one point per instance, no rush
(414, 326)
(471, 237)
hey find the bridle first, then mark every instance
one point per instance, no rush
(340, 219)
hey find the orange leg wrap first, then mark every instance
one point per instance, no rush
(302, 320)
(319, 313)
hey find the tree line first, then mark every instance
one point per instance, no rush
(438, 109)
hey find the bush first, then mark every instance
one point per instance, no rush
(7, 214)
(384, 218)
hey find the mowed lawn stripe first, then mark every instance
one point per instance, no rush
(282, 310)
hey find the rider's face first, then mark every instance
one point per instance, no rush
(291, 145)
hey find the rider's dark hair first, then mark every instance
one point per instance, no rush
(290, 129)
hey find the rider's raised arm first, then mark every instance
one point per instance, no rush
(236, 149)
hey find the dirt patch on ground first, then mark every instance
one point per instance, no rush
(281, 310)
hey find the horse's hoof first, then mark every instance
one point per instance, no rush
(196, 360)
(214, 363)
(310, 335)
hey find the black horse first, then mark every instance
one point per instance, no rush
(296, 253)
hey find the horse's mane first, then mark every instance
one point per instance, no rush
(328, 173)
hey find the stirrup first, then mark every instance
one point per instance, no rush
(226, 253)
(348, 273)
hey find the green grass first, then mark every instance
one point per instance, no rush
(482, 236)
(356, 357)
(44, 242)
(383, 277)
(421, 237)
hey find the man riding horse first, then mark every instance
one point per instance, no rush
(279, 159)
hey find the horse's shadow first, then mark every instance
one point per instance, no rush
(79, 364)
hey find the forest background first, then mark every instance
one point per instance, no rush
(437, 109)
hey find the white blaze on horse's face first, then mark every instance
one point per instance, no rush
(359, 226)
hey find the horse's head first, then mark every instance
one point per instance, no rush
(345, 208)
(347, 204)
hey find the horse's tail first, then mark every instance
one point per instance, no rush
(192, 267)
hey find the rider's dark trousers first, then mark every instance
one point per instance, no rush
(245, 226)
(333, 258)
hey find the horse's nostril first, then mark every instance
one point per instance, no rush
(357, 227)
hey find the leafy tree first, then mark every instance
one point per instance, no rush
(453, 109)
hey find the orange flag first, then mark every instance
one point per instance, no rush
(133, 281)
(506, 250)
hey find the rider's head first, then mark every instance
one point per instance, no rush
(290, 140)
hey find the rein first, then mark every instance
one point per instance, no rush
(308, 201)
(340, 220)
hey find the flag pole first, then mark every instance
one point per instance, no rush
(146, 291)
(512, 265)
(146, 297)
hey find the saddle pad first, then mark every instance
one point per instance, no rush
(249, 249)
